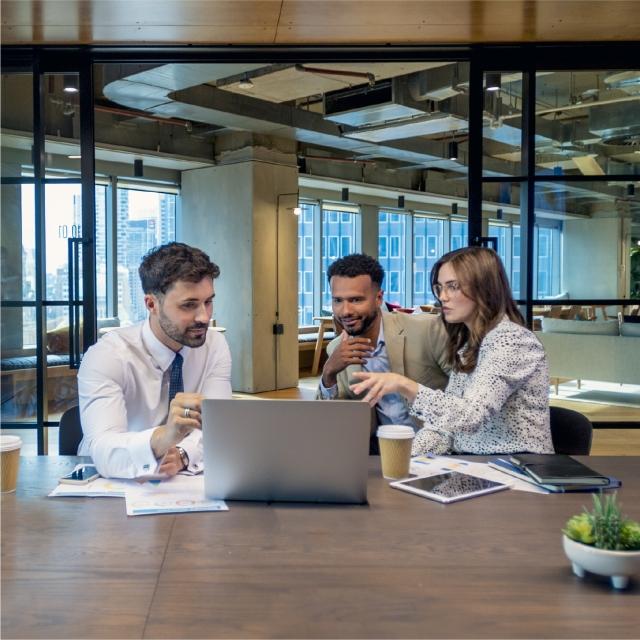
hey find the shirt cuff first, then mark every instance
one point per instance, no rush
(141, 452)
(330, 393)
(192, 445)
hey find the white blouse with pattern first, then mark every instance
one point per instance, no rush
(502, 406)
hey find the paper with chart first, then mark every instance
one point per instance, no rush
(99, 488)
(180, 494)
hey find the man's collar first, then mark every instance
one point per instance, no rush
(161, 354)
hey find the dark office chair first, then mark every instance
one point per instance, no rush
(70, 432)
(571, 432)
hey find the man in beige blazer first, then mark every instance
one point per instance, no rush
(372, 340)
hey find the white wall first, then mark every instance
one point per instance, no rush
(591, 257)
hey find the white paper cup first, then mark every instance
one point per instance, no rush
(395, 450)
(10, 461)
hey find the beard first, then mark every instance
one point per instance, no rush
(182, 337)
(367, 321)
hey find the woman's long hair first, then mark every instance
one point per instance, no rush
(482, 278)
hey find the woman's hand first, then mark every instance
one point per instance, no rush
(380, 384)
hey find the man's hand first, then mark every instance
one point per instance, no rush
(184, 416)
(381, 384)
(351, 350)
(171, 463)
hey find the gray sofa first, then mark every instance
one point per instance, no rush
(592, 350)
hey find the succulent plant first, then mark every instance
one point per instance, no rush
(604, 526)
(580, 529)
(630, 536)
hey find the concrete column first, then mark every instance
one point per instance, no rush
(239, 215)
(369, 215)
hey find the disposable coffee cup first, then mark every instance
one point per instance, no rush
(395, 443)
(10, 461)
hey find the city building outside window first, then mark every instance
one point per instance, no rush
(429, 243)
(146, 219)
(392, 229)
(305, 264)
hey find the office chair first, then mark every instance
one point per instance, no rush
(571, 432)
(70, 432)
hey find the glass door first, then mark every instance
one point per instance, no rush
(44, 249)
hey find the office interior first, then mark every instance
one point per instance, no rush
(277, 160)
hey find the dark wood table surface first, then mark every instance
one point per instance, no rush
(491, 567)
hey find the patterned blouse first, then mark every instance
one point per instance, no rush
(502, 406)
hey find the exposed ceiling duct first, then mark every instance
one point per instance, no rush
(615, 121)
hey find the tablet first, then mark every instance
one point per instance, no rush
(449, 487)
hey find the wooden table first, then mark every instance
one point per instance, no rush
(402, 566)
(326, 323)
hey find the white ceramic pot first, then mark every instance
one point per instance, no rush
(618, 565)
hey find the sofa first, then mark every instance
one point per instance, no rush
(593, 350)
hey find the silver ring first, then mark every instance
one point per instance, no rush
(187, 412)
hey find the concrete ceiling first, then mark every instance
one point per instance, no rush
(303, 22)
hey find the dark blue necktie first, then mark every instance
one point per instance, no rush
(175, 379)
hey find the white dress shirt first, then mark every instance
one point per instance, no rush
(123, 388)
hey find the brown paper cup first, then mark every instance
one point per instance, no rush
(9, 462)
(395, 455)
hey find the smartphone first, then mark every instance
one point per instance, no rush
(449, 487)
(82, 474)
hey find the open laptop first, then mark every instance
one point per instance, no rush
(286, 450)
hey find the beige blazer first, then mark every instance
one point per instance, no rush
(416, 346)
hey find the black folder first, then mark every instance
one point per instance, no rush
(557, 470)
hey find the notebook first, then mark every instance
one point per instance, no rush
(518, 472)
(286, 450)
(557, 469)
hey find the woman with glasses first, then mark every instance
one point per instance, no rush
(497, 399)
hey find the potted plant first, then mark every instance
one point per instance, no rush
(603, 541)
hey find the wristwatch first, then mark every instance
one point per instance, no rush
(184, 457)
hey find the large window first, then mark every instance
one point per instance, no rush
(392, 231)
(146, 219)
(306, 261)
(428, 247)
(325, 232)
(63, 222)
(340, 237)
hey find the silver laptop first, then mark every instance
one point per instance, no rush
(286, 450)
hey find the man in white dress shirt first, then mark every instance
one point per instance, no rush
(141, 387)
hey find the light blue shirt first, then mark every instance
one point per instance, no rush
(391, 409)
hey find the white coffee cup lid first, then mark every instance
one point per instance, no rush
(9, 443)
(395, 431)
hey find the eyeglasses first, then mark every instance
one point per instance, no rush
(452, 287)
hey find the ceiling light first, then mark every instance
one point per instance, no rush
(493, 82)
(297, 211)
(245, 83)
(70, 83)
(74, 157)
(452, 150)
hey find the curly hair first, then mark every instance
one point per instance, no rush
(357, 264)
(482, 278)
(162, 266)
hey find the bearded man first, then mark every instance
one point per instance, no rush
(413, 345)
(141, 387)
